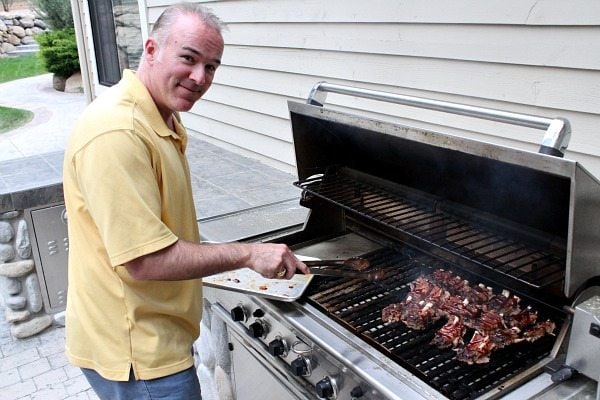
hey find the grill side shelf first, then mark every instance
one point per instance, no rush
(430, 222)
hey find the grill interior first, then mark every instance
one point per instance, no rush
(357, 305)
(529, 257)
(439, 234)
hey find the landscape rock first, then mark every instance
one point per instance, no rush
(6, 48)
(7, 253)
(27, 22)
(19, 28)
(31, 327)
(13, 39)
(13, 286)
(22, 242)
(16, 316)
(16, 302)
(74, 84)
(9, 215)
(34, 294)
(16, 269)
(6, 232)
(41, 24)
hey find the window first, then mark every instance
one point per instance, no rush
(117, 37)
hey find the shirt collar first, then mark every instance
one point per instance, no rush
(147, 106)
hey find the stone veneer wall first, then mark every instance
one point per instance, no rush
(19, 283)
(213, 357)
(18, 28)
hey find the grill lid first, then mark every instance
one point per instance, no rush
(533, 195)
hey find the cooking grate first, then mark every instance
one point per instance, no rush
(357, 305)
(428, 223)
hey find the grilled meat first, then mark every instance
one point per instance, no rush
(522, 319)
(419, 316)
(540, 329)
(487, 322)
(497, 319)
(478, 295)
(449, 281)
(415, 314)
(420, 288)
(460, 307)
(477, 351)
(504, 337)
(392, 313)
(504, 303)
(451, 334)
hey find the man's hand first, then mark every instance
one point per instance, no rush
(275, 261)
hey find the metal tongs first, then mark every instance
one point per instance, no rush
(349, 268)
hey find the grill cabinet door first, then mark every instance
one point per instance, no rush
(50, 247)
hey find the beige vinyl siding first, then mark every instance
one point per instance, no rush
(533, 57)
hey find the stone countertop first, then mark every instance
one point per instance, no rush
(235, 196)
(31, 181)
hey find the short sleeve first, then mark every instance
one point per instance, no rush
(119, 181)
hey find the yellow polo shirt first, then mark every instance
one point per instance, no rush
(128, 193)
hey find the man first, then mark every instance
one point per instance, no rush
(134, 300)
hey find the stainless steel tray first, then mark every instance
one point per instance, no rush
(246, 280)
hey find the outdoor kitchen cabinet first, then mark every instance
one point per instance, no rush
(50, 247)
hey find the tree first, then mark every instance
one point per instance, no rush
(56, 13)
(6, 4)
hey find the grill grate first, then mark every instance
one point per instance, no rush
(424, 221)
(357, 305)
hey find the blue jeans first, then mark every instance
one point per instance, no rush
(183, 385)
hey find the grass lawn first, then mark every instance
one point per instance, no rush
(18, 67)
(12, 68)
(11, 118)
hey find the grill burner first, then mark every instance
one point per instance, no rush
(357, 306)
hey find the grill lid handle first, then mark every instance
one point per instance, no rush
(555, 141)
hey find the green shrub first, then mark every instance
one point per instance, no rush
(58, 49)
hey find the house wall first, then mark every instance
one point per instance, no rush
(526, 56)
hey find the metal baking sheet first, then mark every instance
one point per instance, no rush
(246, 280)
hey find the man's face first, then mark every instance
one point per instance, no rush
(183, 68)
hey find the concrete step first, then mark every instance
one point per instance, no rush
(24, 49)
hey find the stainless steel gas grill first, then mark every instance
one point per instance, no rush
(413, 202)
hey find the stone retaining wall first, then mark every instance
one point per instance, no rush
(18, 28)
(19, 283)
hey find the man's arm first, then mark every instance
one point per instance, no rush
(187, 260)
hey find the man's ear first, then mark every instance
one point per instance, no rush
(151, 49)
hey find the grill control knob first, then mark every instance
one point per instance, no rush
(257, 329)
(238, 314)
(301, 366)
(326, 388)
(278, 347)
(258, 313)
(357, 392)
